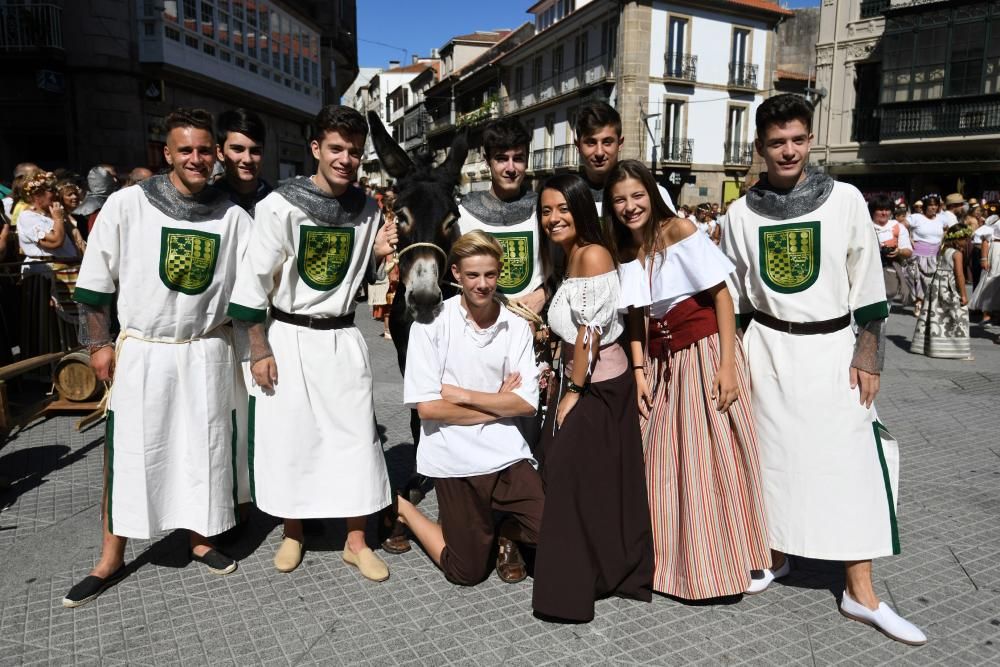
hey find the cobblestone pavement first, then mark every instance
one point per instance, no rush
(947, 579)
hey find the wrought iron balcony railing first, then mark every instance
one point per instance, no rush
(940, 118)
(565, 156)
(677, 150)
(680, 66)
(541, 159)
(24, 27)
(592, 72)
(738, 153)
(743, 76)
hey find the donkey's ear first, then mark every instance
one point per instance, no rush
(394, 159)
(451, 168)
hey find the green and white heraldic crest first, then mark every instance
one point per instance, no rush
(187, 259)
(518, 257)
(324, 255)
(789, 256)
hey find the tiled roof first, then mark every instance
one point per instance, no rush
(487, 37)
(406, 69)
(766, 5)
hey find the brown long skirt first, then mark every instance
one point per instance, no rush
(596, 538)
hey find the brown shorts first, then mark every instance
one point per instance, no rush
(465, 512)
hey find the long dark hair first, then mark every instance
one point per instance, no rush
(658, 214)
(584, 211)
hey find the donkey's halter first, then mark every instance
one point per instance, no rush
(422, 244)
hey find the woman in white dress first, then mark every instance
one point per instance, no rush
(926, 232)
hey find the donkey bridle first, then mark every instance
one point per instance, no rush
(422, 244)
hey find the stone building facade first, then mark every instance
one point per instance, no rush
(90, 81)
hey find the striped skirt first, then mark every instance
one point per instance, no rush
(703, 478)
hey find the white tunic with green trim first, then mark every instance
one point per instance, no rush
(171, 425)
(522, 261)
(830, 470)
(314, 451)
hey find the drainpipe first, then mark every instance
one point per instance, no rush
(833, 82)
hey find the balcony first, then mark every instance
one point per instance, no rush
(873, 8)
(488, 110)
(865, 125)
(590, 73)
(541, 159)
(738, 154)
(24, 28)
(565, 156)
(743, 77)
(677, 151)
(681, 67)
(940, 118)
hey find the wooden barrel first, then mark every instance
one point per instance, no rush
(75, 379)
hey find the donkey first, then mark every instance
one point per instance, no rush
(426, 213)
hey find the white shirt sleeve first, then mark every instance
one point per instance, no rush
(522, 359)
(269, 246)
(32, 227)
(99, 270)
(904, 238)
(422, 379)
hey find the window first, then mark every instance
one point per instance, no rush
(580, 49)
(673, 124)
(557, 61)
(207, 22)
(737, 152)
(967, 60)
(536, 71)
(518, 79)
(738, 52)
(677, 48)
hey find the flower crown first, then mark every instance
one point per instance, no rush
(958, 232)
(43, 180)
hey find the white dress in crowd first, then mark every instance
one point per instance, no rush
(451, 350)
(986, 298)
(830, 469)
(31, 228)
(171, 421)
(313, 449)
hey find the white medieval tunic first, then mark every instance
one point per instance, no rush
(314, 450)
(514, 227)
(171, 422)
(829, 468)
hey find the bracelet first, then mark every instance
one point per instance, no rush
(574, 388)
(94, 348)
(638, 368)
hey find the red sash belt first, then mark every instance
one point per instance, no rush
(685, 324)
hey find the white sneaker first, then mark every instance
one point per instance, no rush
(760, 585)
(883, 619)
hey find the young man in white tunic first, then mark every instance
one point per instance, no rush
(807, 263)
(313, 447)
(469, 374)
(507, 212)
(169, 248)
(599, 142)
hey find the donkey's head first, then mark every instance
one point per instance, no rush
(426, 213)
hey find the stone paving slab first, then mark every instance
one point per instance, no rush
(947, 579)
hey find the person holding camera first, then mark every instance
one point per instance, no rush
(894, 245)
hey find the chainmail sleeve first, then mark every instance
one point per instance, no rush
(252, 345)
(94, 326)
(869, 348)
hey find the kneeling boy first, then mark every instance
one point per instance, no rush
(469, 374)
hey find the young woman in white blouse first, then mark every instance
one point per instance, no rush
(700, 443)
(926, 232)
(595, 538)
